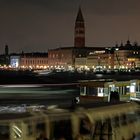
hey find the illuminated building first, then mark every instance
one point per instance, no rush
(60, 57)
(68, 56)
(127, 56)
(15, 61)
(103, 59)
(29, 61)
(81, 63)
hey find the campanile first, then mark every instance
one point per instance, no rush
(79, 32)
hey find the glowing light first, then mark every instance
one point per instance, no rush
(100, 92)
(45, 67)
(30, 67)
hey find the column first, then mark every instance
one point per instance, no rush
(75, 125)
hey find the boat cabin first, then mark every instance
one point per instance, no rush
(128, 90)
(109, 90)
(94, 90)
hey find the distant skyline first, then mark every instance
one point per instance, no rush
(39, 25)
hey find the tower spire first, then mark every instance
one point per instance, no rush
(79, 38)
(80, 15)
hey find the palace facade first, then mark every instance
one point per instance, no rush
(29, 60)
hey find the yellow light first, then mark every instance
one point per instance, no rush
(30, 67)
(123, 67)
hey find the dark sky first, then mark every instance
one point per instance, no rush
(36, 25)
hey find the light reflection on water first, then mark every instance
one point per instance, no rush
(34, 90)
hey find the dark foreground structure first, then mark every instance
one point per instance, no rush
(98, 122)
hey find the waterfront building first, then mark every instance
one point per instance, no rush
(15, 61)
(119, 57)
(81, 63)
(127, 56)
(29, 61)
(96, 60)
(66, 57)
(101, 59)
(60, 57)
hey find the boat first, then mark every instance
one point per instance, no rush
(109, 122)
(43, 72)
(109, 90)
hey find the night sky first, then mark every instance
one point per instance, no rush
(37, 25)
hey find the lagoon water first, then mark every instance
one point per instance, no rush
(14, 86)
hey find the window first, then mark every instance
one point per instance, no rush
(41, 129)
(30, 130)
(116, 121)
(85, 126)
(4, 132)
(123, 119)
(63, 129)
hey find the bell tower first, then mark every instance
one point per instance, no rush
(79, 33)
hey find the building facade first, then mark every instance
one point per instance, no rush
(29, 61)
(97, 59)
(127, 56)
(100, 59)
(60, 57)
